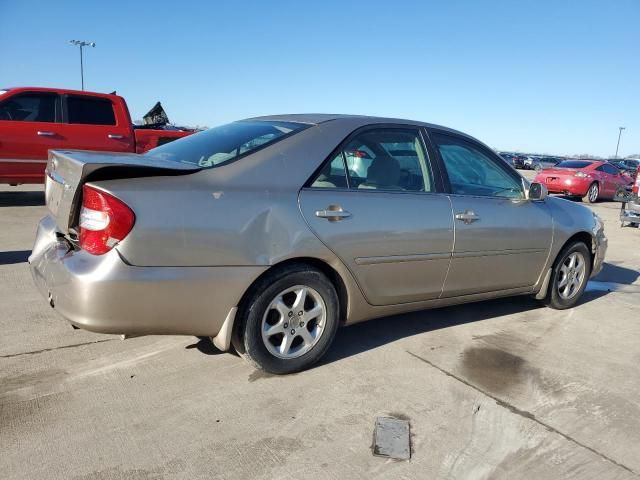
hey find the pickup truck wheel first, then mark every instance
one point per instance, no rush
(592, 193)
(289, 321)
(569, 276)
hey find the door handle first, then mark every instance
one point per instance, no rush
(115, 136)
(468, 216)
(333, 213)
(45, 134)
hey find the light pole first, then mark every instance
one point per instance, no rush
(81, 44)
(619, 135)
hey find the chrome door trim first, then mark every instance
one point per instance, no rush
(419, 257)
(491, 253)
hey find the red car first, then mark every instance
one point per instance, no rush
(591, 180)
(34, 120)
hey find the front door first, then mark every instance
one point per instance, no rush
(28, 128)
(502, 240)
(382, 216)
(610, 180)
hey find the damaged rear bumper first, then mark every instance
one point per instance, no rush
(104, 294)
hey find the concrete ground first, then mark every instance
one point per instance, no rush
(503, 389)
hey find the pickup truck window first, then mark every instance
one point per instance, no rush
(90, 111)
(221, 145)
(29, 107)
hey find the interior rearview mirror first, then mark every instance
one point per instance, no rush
(537, 191)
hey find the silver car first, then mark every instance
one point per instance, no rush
(259, 235)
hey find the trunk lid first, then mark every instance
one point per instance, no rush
(560, 171)
(68, 170)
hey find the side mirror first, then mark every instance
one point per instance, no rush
(537, 192)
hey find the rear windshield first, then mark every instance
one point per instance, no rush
(573, 164)
(221, 145)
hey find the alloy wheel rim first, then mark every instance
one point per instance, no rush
(293, 322)
(593, 192)
(571, 276)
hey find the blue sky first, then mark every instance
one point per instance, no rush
(553, 76)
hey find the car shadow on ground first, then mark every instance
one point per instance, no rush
(375, 333)
(22, 199)
(204, 345)
(611, 272)
(13, 257)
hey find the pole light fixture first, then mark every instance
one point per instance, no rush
(81, 43)
(619, 135)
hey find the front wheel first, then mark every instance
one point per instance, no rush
(569, 276)
(592, 193)
(289, 321)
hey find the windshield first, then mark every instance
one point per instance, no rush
(573, 164)
(221, 145)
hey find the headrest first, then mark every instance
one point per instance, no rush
(384, 171)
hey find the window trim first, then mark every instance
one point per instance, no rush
(57, 107)
(492, 156)
(437, 184)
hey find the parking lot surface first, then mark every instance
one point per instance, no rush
(500, 389)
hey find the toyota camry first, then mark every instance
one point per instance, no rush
(267, 234)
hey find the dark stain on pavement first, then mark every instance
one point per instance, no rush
(493, 369)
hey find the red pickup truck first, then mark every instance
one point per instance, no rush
(34, 120)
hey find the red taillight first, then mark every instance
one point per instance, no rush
(104, 221)
(636, 184)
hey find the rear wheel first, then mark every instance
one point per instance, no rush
(569, 276)
(592, 193)
(288, 321)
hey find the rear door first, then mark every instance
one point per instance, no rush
(502, 240)
(383, 215)
(611, 179)
(96, 123)
(28, 128)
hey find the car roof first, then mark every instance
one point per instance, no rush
(317, 118)
(62, 91)
(353, 121)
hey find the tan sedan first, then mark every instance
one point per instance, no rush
(269, 233)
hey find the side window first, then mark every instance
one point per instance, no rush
(388, 159)
(473, 172)
(90, 111)
(332, 174)
(380, 159)
(610, 169)
(29, 107)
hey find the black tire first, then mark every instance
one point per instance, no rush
(553, 298)
(247, 338)
(590, 196)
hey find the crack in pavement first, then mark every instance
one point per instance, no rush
(34, 352)
(523, 413)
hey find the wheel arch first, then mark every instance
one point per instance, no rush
(597, 182)
(584, 237)
(334, 277)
